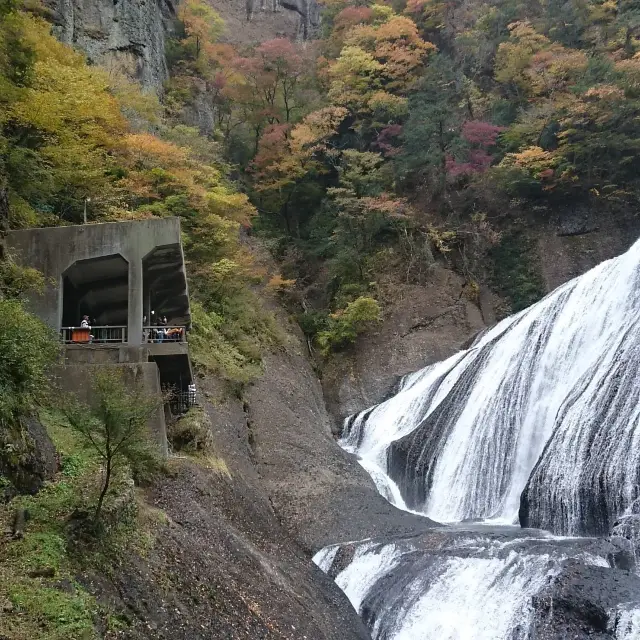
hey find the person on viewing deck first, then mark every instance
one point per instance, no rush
(162, 333)
(85, 324)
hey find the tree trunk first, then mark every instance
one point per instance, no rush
(443, 159)
(4, 208)
(105, 488)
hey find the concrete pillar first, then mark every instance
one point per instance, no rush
(60, 309)
(136, 311)
(146, 293)
(147, 305)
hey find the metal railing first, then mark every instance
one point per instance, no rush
(100, 335)
(181, 402)
(168, 333)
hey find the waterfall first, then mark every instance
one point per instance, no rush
(473, 588)
(553, 390)
(537, 423)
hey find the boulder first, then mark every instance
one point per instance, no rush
(27, 457)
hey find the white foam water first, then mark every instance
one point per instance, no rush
(461, 437)
(625, 622)
(476, 589)
(539, 420)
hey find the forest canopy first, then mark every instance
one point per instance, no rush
(421, 128)
(406, 133)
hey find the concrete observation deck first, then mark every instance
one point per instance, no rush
(118, 274)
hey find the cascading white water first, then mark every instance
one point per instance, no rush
(474, 589)
(461, 438)
(540, 418)
(625, 623)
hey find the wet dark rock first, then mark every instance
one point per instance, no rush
(579, 601)
(27, 457)
(625, 536)
(624, 556)
(576, 224)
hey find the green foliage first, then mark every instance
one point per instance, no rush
(38, 574)
(345, 325)
(27, 348)
(59, 614)
(434, 122)
(515, 270)
(192, 432)
(39, 609)
(115, 427)
(232, 350)
(313, 322)
(16, 280)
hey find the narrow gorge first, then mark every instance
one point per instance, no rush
(535, 425)
(374, 261)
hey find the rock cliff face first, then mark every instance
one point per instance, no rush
(251, 21)
(423, 324)
(221, 566)
(129, 35)
(124, 35)
(581, 240)
(278, 438)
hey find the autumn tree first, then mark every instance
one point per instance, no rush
(115, 427)
(382, 57)
(479, 138)
(269, 90)
(365, 208)
(289, 156)
(59, 124)
(202, 25)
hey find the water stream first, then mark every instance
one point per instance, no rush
(537, 423)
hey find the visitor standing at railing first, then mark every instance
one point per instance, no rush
(86, 325)
(162, 332)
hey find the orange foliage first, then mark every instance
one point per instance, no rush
(146, 151)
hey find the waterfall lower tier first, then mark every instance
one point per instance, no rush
(553, 390)
(466, 585)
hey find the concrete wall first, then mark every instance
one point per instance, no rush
(78, 378)
(53, 250)
(104, 354)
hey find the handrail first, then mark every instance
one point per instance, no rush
(182, 401)
(102, 334)
(164, 333)
(95, 334)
